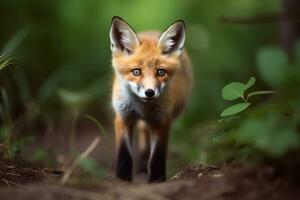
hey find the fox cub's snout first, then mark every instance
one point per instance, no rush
(148, 66)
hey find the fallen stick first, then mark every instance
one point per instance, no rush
(88, 151)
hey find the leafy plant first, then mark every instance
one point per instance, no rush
(270, 132)
(236, 90)
(5, 104)
(11, 46)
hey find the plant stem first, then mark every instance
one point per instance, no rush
(245, 99)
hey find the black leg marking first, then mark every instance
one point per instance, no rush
(124, 162)
(157, 164)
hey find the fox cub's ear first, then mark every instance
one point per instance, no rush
(122, 36)
(172, 40)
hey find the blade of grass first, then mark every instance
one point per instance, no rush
(15, 41)
(6, 105)
(2, 113)
(97, 123)
(4, 63)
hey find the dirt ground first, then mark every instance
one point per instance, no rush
(21, 180)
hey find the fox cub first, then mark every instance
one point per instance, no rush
(152, 82)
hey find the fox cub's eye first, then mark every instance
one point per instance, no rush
(161, 72)
(136, 72)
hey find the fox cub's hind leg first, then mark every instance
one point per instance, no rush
(158, 155)
(124, 165)
(144, 147)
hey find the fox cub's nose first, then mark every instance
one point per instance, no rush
(149, 93)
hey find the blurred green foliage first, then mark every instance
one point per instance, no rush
(269, 130)
(62, 61)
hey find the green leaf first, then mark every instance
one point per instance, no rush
(260, 93)
(233, 91)
(250, 83)
(232, 110)
(272, 65)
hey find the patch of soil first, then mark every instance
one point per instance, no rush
(195, 182)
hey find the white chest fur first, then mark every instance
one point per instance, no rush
(131, 107)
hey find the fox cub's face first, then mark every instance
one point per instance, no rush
(146, 63)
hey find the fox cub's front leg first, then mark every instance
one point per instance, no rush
(124, 165)
(158, 156)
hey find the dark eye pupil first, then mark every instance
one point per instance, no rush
(161, 72)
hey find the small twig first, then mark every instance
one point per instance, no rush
(31, 170)
(53, 172)
(12, 174)
(7, 183)
(89, 150)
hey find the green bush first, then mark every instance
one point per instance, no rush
(269, 128)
